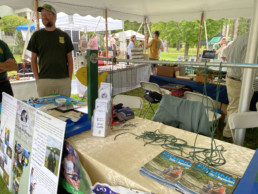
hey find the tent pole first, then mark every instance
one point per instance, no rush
(145, 33)
(37, 13)
(97, 24)
(248, 76)
(106, 35)
(27, 37)
(149, 30)
(199, 38)
(206, 37)
(139, 27)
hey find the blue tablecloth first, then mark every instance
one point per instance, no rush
(196, 86)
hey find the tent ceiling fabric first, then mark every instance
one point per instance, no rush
(155, 11)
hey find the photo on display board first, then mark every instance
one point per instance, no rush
(73, 177)
(6, 177)
(9, 152)
(52, 157)
(25, 119)
(1, 145)
(21, 161)
(32, 181)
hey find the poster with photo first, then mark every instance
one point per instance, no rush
(31, 144)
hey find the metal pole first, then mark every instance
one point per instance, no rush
(248, 76)
(145, 33)
(184, 63)
(92, 78)
(199, 38)
(106, 34)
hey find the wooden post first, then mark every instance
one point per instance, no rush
(145, 33)
(106, 21)
(37, 13)
(92, 79)
(199, 39)
(206, 37)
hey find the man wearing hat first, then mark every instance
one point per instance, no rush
(53, 48)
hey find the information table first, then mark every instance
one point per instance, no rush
(117, 162)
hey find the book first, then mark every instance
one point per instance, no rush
(186, 176)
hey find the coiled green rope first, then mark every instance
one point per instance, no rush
(212, 156)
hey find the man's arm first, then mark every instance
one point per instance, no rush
(34, 65)
(70, 64)
(8, 65)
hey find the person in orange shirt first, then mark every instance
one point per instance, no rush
(219, 190)
(155, 46)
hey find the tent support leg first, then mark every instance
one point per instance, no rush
(92, 79)
(248, 76)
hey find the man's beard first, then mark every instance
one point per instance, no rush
(48, 24)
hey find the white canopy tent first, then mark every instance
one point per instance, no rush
(78, 23)
(155, 11)
(167, 10)
(129, 33)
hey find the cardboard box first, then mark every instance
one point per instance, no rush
(200, 78)
(167, 71)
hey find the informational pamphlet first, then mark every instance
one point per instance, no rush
(186, 176)
(31, 144)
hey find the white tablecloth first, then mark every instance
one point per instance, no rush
(123, 79)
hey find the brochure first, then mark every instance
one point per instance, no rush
(186, 176)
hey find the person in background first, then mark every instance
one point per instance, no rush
(7, 63)
(54, 48)
(155, 46)
(130, 46)
(217, 47)
(93, 42)
(140, 44)
(113, 44)
(109, 42)
(83, 44)
(236, 54)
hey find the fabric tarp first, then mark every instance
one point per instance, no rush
(155, 11)
(80, 23)
(129, 33)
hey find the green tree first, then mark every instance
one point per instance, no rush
(8, 24)
(187, 32)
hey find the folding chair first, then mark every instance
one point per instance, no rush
(129, 101)
(153, 95)
(242, 120)
(207, 102)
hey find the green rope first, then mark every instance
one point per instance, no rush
(170, 142)
(212, 156)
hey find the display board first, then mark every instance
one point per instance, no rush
(31, 147)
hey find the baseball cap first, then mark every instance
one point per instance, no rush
(48, 8)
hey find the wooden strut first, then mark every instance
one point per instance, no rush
(199, 38)
(37, 13)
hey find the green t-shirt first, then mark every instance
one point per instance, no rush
(52, 48)
(5, 54)
(215, 47)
